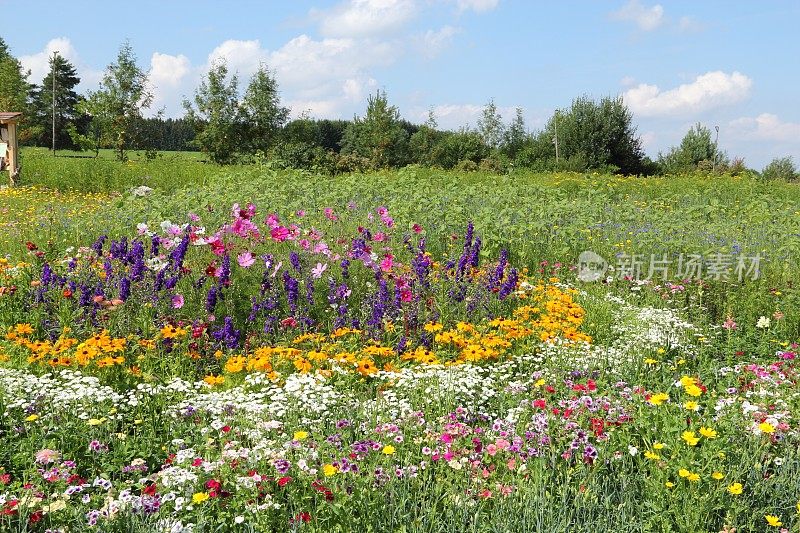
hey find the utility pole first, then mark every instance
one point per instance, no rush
(53, 73)
(555, 139)
(716, 149)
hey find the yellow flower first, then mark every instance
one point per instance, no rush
(300, 435)
(658, 398)
(329, 470)
(658, 445)
(735, 488)
(95, 421)
(388, 449)
(684, 473)
(214, 380)
(708, 433)
(718, 475)
(31, 418)
(766, 427)
(669, 484)
(693, 477)
(773, 520)
(693, 390)
(652, 455)
(650, 361)
(690, 438)
(691, 405)
(199, 497)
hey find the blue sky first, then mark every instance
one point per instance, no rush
(729, 64)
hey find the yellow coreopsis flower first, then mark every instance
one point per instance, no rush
(329, 470)
(718, 475)
(766, 427)
(199, 497)
(735, 488)
(690, 438)
(684, 473)
(708, 433)
(300, 435)
(693, 477)
(652, 455)
(691, 405)
(388, 450)
(658, 445)
(658, 398)
(773, 520)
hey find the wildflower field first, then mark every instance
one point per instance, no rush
(407, 351)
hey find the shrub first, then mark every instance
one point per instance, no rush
(780, 168)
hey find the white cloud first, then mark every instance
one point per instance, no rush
(365, 18)
(766, 127)
(712, 89)
(242, 57)
(39, 63)
(478, 6)
(455, 116)
(170, 77)
(432, 43)
(646, 18)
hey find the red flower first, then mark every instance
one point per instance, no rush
(31, 246)
(35, 517)
(150, 490)
(282, 482)
(540, 403)
(288, 322)
(5, 479)
(226, 429)
(212, 484)
(301, 517)
(197, 462)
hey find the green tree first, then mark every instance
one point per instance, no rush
(66, 104)
(14, 85)
(780, 168)
(216, 115)
(593, 135)
(490, 126)
(263, 112)
(116, 108)
(697, 151)
(422, 143)
(379, 136)
(14, 89)
(516, 136)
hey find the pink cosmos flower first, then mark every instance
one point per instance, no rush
(304, 244)
(386, 264)
(245, 259)
(272, 221)
(405, 295)
(279, 233)
(329, 214)
(300, 213)
(417, 228)
(491, 449)
(193, 217)
(46, 456)
(177, 301)
(317, 271)
(380, 237)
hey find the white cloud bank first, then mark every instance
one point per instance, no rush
(645, 18)
(710, 90)
(39, 63)
(767, 127)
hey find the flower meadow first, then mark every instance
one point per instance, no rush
(348, 369)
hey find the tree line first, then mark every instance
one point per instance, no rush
(239, 124)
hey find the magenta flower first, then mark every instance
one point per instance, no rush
(177, 301)
(386, 264)
(330, 214)
(729, 324)
(245, 259)
(279, 233)
(272, 221)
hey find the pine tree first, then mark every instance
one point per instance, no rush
(66, 100)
